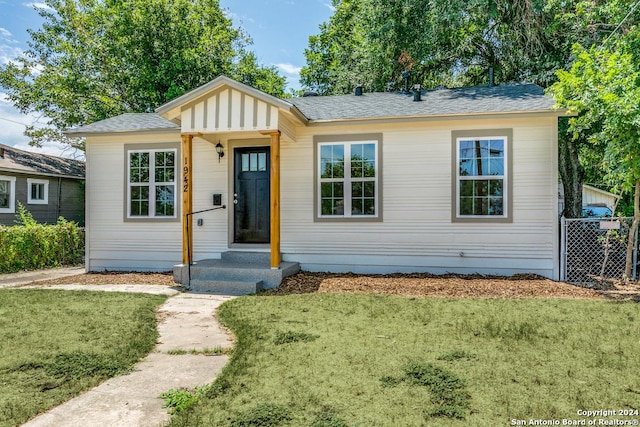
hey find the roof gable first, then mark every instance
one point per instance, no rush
(19, 161)
(202, 95)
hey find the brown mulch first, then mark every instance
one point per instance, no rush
(415, 284)
(448, 286)
(115, 278)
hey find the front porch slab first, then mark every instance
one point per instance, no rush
(235, 273)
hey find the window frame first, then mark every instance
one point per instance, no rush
(152, 150)
(12, 194)
(45, 188)
(347, 141)
(507, 178)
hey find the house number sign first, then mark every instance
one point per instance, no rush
(185, 179)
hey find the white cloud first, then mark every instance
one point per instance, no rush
(33, 5)
(12, 126)
(4, 32)
(9, 53)
(330, 6)
(289, 69)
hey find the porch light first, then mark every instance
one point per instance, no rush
(220, 151)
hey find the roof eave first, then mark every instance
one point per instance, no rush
(122, 132)
(52, 174)
(434, 117)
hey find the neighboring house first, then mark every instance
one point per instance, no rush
(464, 180)
(591, 196)
(48, 186)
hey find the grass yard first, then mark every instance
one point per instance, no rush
(336, 360)
(55, 344)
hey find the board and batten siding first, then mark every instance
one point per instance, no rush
(228, 110)
(112, 243)
(417, 233)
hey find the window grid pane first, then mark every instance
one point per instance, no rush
(353, 167)
(139, 167)
(139, 201)
(165, 200)
(152, 178)
(5, 194)
(481, 158)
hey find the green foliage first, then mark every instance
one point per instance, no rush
(24, 217)
(93, 59)
(262, 415)
(603, 89)
(290, 336)
(447, 389)
(32, 246)
(79, 364)
(178, 400)
(327, 417)
(453, 42)
(457, 355)
(66, 342)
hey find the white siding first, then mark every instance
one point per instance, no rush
(209, 178)
(417, 233)
(112, 243)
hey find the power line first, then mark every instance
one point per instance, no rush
(13, 121)
(624, 19)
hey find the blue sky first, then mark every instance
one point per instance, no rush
(280, 30)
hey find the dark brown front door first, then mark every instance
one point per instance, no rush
(251, 195)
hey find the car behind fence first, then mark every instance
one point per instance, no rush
(593, 250)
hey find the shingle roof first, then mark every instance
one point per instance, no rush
(440, 102)
(126, 123)
(26, 162)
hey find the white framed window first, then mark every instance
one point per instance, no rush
(348, 179)
(37, 191)
(482, 170)
(151, 188)
(7, 194)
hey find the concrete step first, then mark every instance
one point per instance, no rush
(247, 257)
(220, 270)
(225, 287)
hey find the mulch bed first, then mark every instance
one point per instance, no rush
(424, 284)
(414, 285)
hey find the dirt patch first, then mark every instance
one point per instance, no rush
(416, 284)
(449, 286)
(114, 278)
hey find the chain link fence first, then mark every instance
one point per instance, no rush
(594, 250)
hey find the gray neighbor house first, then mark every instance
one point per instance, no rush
(48, 186)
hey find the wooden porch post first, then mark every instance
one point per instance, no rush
(187, 243)
(274, 197)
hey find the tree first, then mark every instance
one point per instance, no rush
(603, 88)
(94, 59)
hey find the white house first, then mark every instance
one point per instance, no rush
(464, 180)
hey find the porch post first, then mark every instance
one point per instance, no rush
(274, 197)
(187, 242)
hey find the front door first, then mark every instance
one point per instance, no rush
(251, 195)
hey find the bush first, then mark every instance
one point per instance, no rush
(31, 246)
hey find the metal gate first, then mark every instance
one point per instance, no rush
(594, 249)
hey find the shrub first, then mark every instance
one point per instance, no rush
(31, 246)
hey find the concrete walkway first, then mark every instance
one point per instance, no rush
(23, 278)
(187, 322)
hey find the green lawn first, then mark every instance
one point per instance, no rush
(55, 344)
(329, 360)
